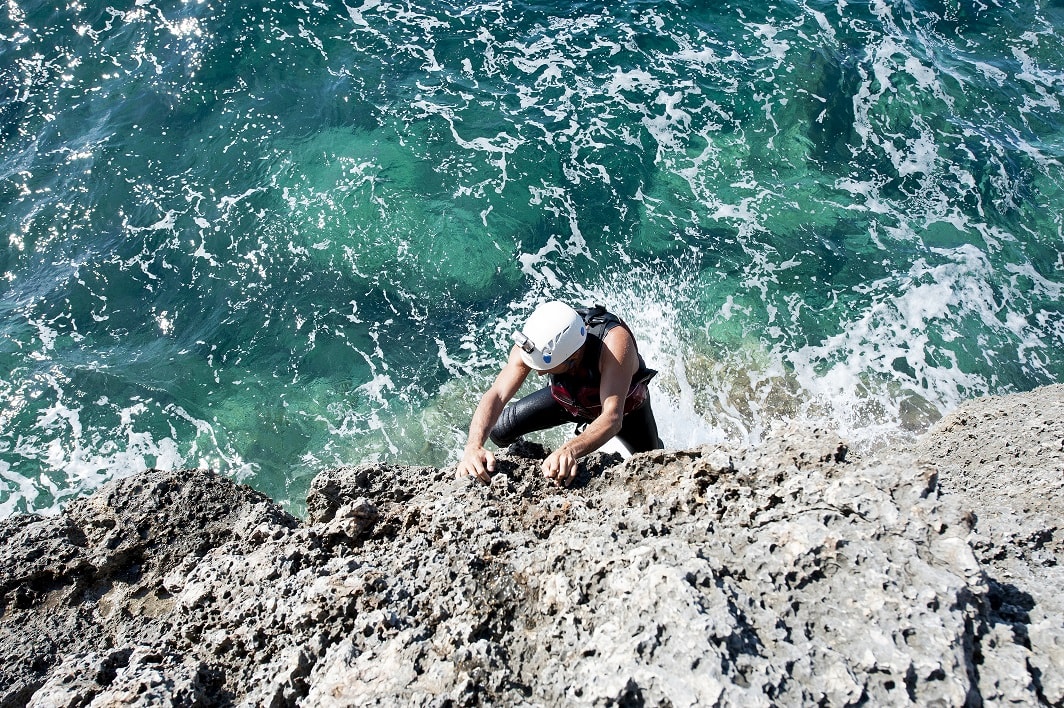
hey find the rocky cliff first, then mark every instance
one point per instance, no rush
(788, 574)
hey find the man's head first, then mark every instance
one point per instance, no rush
(551, 335)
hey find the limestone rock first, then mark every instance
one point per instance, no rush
(787, 574)
(1003, 457)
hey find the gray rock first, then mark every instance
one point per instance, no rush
(141, 677)
(782, 575)
(1003, 457)
(93, 580)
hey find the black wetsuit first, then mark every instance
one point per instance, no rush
(573, 397)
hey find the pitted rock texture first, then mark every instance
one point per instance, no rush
(782, 575)
(1004, 458)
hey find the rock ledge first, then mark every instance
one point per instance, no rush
(782, 575)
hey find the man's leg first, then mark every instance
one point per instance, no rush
(639, 431)
(536, 411)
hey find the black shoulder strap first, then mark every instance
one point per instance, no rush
(597, 320)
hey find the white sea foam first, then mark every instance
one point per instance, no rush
(74, 447)
(20, 491)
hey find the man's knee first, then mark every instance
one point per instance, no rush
(503, 432)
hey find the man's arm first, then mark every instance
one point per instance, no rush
(618, 363)
(476, 460)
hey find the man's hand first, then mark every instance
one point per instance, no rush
(477, 462)
(560, 466)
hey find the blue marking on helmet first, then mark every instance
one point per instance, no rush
(546, 358)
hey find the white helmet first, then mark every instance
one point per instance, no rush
(551, 335)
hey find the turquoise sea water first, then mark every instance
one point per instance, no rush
(271, 240)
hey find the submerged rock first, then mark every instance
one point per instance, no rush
(786, 574)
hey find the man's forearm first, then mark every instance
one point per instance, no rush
(595, 435)
(484, 417)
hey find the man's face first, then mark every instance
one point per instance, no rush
(565, 366)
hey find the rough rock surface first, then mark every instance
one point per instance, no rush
(1003, 458)
(781, 575)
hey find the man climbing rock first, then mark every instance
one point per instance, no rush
(598, 380)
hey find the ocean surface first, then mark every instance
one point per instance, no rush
(271, 240)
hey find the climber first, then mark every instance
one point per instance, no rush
(598, 380)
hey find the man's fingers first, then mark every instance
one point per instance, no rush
(484, 467)
(479, 465)
(560, 468)
(550, 467)
(568, 473)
